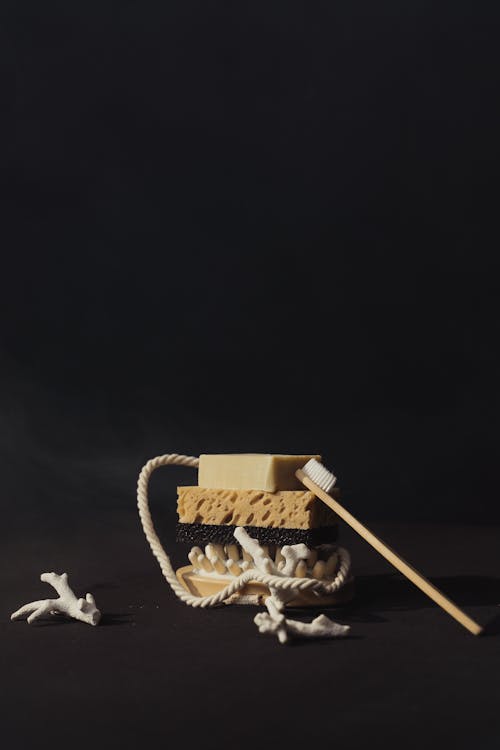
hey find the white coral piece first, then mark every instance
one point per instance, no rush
(293, 553)
(275, 621)
(68, 604)
(277, 624)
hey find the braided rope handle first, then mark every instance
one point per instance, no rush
(278, 582)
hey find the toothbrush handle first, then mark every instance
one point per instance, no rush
(408, 570)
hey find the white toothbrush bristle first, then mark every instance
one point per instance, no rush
(319, 474)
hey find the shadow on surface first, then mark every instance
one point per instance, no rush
(53, 620)
(492, 627)
(116, 618)
(393, 592)
(109, 618)
(297, 642)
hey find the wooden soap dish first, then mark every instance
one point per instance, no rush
(200, 585)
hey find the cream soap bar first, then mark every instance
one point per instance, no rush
(251, 471)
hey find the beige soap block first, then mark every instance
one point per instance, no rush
(291, 509)
(251, 471)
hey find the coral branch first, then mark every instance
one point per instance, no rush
(67, 604)
(262, 561)
(275, 621)
(292, 554)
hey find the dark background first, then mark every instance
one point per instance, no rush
(269, 227)
(257, 226)
(265, 227)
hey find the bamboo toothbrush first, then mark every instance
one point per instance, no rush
(319, 480)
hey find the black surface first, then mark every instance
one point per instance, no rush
(156, 670)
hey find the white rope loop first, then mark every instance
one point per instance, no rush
(279, 582)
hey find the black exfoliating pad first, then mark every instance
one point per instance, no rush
(201, 533)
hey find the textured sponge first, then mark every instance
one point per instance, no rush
(292, 509)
